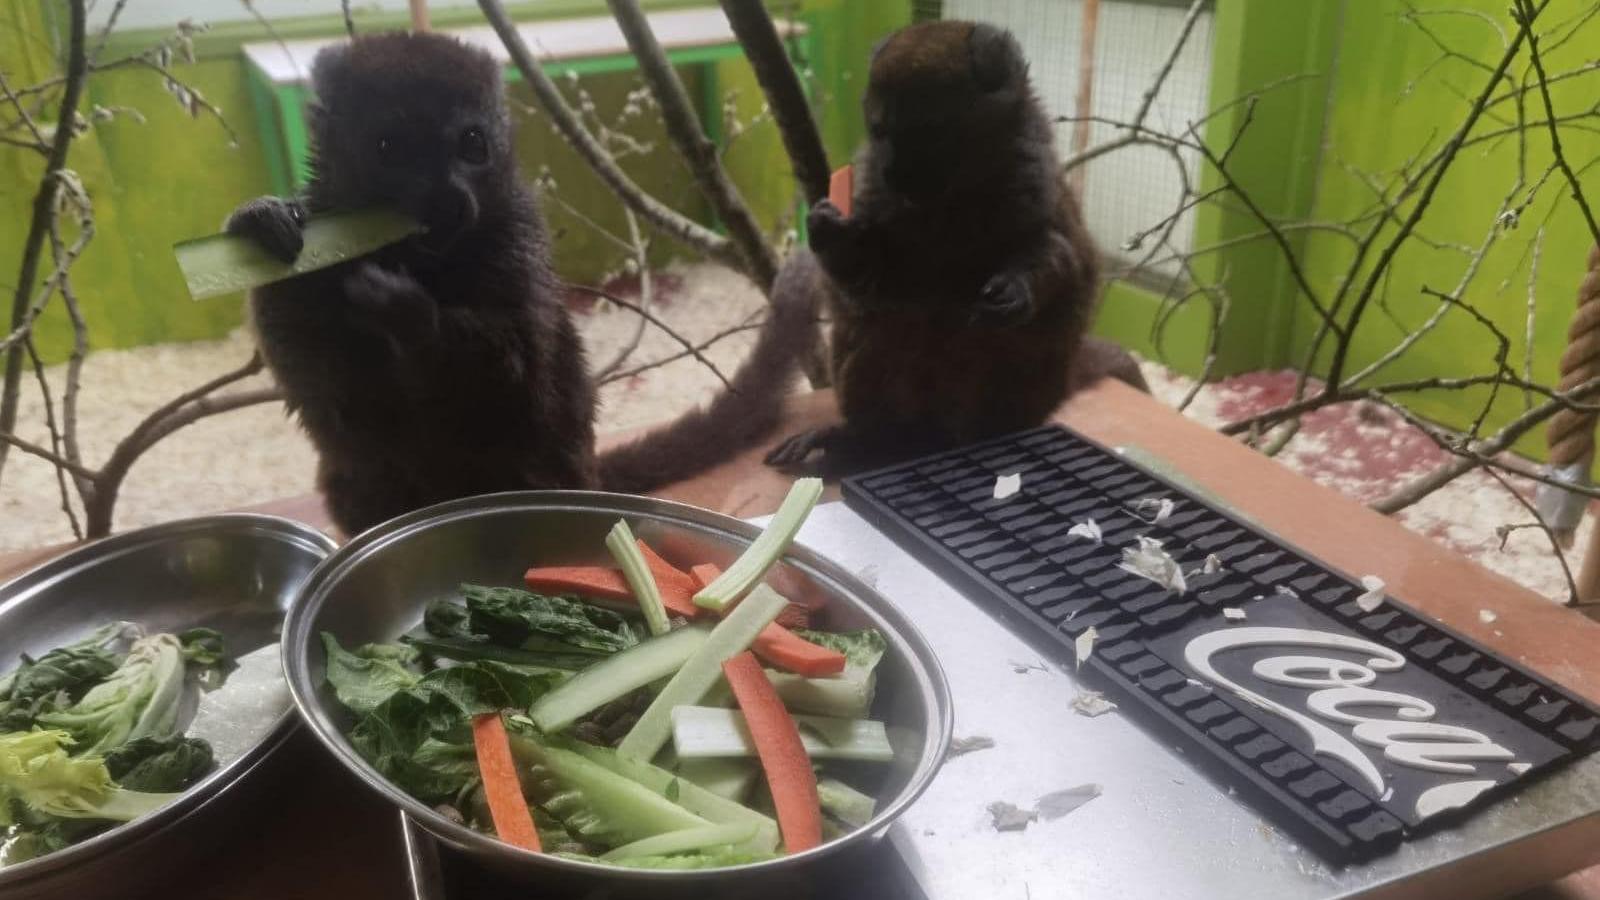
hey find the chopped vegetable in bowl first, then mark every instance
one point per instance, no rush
(92, 734)
(653, 715)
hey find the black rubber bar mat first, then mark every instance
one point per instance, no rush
(1351, 728)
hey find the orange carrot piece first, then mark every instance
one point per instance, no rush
(788, 651)
(778, 645)
(585, 581)
(677, 587)
(601, 583)
(704, 574)
(513, 822)
(841, 188)
(783, 756)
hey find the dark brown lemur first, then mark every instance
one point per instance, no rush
(447, 365)
(965, 278)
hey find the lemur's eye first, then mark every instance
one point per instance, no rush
(473, 147)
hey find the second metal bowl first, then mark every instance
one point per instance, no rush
(376, 587)
(235, 573)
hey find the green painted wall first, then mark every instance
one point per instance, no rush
(173, 178)
(1281, 53)
(1382, 112)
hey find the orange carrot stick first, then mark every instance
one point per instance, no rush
(512, 820)
(585, 581)
(783, 756)
(677, 587)
(781, 647)
(601, 583)
(788, 651)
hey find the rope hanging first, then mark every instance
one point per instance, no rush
(1570, 435)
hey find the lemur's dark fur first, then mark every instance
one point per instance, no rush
(964, 276)
(446, 365)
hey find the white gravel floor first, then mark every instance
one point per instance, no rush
(257, 454)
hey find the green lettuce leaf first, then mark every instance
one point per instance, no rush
(363, 679)
(419, 736)
(58, 678)
(160, 765)
(140, 699)
(37, 775)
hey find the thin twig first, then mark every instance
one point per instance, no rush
(43, 212)
(1525, 18)
(704, 345)
(1539, 523)
(101, 504)
(641, 262)
(668, 330)
(56, 443)
(1418, 209)
(673, 223)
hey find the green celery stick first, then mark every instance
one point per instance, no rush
(227, 263)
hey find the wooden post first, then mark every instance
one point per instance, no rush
(419, 15)
(1085, 107)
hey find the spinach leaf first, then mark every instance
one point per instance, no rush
(53, 681)
(862, 649)
(450, 620)
(367, 677)
(469, 650)
(408, 737)
(517, 618)
(161, 766)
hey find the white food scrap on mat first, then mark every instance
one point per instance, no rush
(1091, 704)
(1083, 647)
(1212, 566)
(1233, 613)
(1487, 616)
(1056, 804)
(1088, 528)
(1156, 509)
(1006, 485)
(961, 746)
(1373, 598)
(1283, 590)
(1150, 561)
(1010, 817)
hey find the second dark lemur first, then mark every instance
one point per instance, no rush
(447, 365)
(965, 278)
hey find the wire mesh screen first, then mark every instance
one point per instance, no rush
(1132, 189)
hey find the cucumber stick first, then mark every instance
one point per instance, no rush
(625, 550)
(701, 731)
(846, 696)
(226, 263)
(763, 552)
(700, 672)
(691, 796)
(730, 779)
(844, 802)
(683, 841)
(640, 811)
(616, 675)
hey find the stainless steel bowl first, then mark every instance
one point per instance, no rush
(234, 573)
(376, 587)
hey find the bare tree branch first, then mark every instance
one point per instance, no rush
(43, 212)
(753, 26)
(673, 223)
